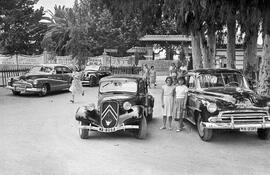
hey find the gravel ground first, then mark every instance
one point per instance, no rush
(39, 135)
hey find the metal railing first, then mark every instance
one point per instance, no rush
(7, 73)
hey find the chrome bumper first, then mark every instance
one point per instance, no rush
(114, 129)
(24, 89)
(234, 126)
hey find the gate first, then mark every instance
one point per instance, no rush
(7, 73)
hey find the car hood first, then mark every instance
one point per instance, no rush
(32, 76)
(231, 96)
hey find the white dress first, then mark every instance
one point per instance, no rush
(168, 100)
(76, 86)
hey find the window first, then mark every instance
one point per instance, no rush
(58, 70)
(66, 70)
(191, 82)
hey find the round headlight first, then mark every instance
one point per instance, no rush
(212, 107)
(35, 82)
(268, 104)
(127, 105)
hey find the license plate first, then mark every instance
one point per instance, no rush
(21, 89)
(248, 129)
(107, 129)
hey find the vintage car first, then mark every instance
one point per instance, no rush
(123, 104)
(42, 79)
(222, 99)
(92, 75)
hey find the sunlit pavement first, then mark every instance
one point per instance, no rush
(39, 135)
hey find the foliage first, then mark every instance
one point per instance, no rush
(20, 29)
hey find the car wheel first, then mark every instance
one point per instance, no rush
(263, 134)
(142, 129)
(16, 92)
(83, 132)
(204, 133)
(92, 81)
(44, 90)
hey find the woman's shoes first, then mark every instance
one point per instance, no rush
(163, 127)
(83, 93)
(72, 101)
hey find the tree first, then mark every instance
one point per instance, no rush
(249, 20)
(20, 29)
(263, 88)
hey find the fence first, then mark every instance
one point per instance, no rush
(6, 73)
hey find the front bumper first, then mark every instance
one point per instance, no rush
(85, 82)
(264, 123)
(114, 129)
(24, 89)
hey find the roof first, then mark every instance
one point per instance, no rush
(122, 76)
(219, 70)
(172, 38)
(138, 49)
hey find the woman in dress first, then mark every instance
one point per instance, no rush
(180, 103)
(76, 85)
(146, 74)
(152, 77)
(167, 97)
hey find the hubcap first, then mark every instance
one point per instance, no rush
(44, 90)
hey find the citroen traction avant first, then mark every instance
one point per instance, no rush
(123, 104)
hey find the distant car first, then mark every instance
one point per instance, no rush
(92, 75)
(42, 79)
(123, 104)
(222, 99)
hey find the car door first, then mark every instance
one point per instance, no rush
(192, 99)
(59, 81)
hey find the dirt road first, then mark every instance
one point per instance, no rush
(39, 135)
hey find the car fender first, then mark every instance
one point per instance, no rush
(83, 114)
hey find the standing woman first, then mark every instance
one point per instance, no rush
(180, 103)
(152, 77)
(167, 98)
(76, 85)
(146, 74)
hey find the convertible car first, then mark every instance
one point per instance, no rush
(92, 75)
(222, 99)
(42, 79)
(123, 104)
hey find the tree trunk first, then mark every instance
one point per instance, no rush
(208, 47)
(196, 50)
(250, 53)
(265, 67)
(169, 52)
(231, 22)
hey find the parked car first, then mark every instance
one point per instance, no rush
(222, 99)
(123, 104)
(92, 75)
(42, 79)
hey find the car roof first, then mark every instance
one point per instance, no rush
(122, 76)
(51, 65)
(212, 70)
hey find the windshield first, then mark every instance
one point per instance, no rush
(118, 86)
(40, 69)
(92, 68)
(223, 80)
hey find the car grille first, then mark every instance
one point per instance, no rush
(22, 85)
(109, 114)
(243, 117)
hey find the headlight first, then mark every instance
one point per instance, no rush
(212, 107)
(35, 82)
(91, 107)
(127, 105)
(268, 104)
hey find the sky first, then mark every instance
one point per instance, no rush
(49, 4)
